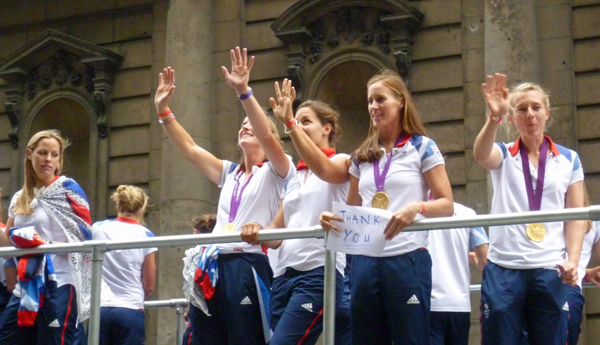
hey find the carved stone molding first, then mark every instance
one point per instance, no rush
(313, 29)
(56, 62)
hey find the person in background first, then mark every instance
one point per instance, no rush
(203, 224)
(129, 273)
(451, 278)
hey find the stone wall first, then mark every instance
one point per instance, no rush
(448, 67)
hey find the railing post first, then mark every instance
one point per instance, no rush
(329, 299)
(94, 321)
(179, 335)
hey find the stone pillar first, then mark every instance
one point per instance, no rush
(510, 38)
(511, 46)
(184, 192)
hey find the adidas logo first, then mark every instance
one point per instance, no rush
(54, 323)
(308, 306)
(413, 300)
(246, 301)
(566, 306)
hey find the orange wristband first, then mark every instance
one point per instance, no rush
(166, 113)
(422, 207)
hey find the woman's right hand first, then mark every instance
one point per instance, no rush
(495, 94)
(327, 221)
(249, 233)
(282, 106)
(166, 87)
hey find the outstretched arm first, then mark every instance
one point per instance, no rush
(238, 80)
(209, 165)
(327, 170)
(495, 95)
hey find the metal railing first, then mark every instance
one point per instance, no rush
(98, 248)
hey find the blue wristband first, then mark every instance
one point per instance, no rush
(246, 95)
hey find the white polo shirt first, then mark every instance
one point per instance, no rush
(260, 201)
(48, 229)
(404, 184)
(122, 269)
(509, 245)
(451, 275)
(306, 197)
(590, 239)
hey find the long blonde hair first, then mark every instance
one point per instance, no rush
(131, 201)
(410, 121)
(22, 205)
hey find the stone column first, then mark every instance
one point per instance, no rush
(184, 192)
(511, 46)
(510, 39)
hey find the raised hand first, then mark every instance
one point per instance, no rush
(495, 94)
(166, 87)
(282, 107)
(240, 70)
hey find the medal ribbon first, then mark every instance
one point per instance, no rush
(380, 176)
(535, 198)
(236, 199)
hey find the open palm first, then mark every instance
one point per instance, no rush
(495, 94)
(240, 70)
(282, 107)
(164, 92)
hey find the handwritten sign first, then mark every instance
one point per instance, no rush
(362, 230)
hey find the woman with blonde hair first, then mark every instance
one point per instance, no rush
(521, 288)
(129, 273)
(231, 306)
(394, 169)
(49, 209)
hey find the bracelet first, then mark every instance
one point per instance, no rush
(495, 118)
(422, 208)
(246, 95)
(257, 223)
(166, 113)
(290, 123)
(167, 120)
(287, 130)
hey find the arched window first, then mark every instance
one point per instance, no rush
(60, 82)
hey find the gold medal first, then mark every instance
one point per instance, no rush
(380, 200)
(536, 232)
(229, 227)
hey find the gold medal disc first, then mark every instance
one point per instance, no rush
(229, 227)
(380, 200)
(536, 232)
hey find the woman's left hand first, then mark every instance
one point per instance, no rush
(37, 236)
(240, 70)
(568, 273)
(401, 219)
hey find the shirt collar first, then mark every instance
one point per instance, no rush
(515, 148)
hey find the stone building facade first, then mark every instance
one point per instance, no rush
(90, 69)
